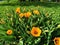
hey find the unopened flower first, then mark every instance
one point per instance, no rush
(24, 9)
(46, 31)
(58, 26)
(2, 21)
(28, 32)
(47, 14)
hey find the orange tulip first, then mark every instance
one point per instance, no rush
(36, 31)
(36, 12)
(9, 32)
(57, 40)
(27, 15)
(21, 15)
(18, 10)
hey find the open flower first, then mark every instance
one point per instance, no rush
(9, 32)
(18, 10)
(27, 15)
(57, 40)
(21, 15)
(36, 31)
(36, 12)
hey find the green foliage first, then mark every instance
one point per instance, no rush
(48, 24)
(19, 27)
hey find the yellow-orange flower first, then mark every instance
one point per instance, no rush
(18, 10)
(21, 15)
(36, 12)
(28, 14)
(9, 32)
(36, 31)
(57, 40)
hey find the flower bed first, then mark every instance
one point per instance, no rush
(28, 27)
